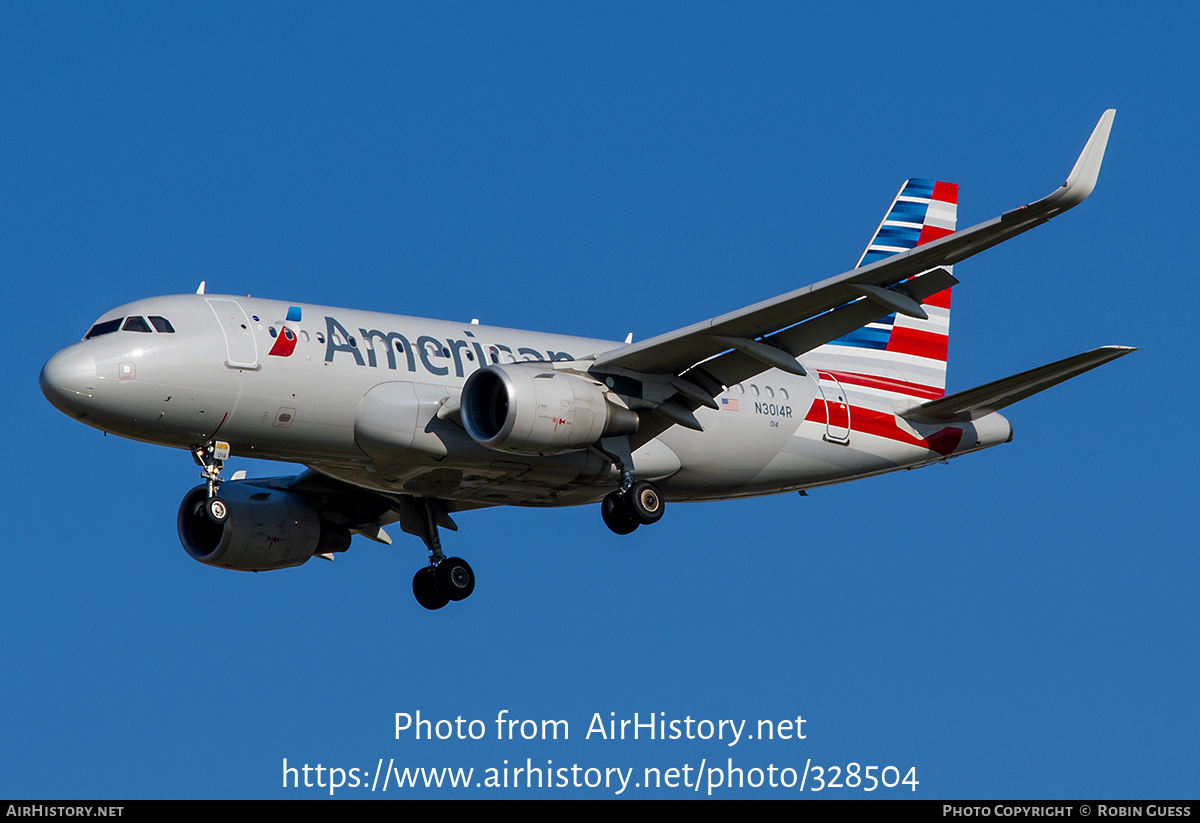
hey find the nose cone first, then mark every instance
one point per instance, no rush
(69, 379)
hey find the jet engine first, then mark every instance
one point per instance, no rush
(535, 411)
(256, 529)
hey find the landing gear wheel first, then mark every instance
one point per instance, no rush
(455, 578)
(426, 591)
(645, 502)
(216, 509)
(617, 514)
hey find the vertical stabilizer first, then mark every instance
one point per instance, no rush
(899, 357)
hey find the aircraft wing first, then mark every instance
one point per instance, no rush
(773, 333)
(366, 511)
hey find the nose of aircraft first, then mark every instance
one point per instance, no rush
(69, 379)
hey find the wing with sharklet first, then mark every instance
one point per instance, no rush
(686, 368)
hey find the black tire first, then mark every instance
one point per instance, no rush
(455, 578)
(616, 514)
(216, 509)
(426, 591)
(646, 502)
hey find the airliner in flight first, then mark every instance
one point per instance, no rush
(409, 420)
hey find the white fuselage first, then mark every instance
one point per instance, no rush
(356, 395)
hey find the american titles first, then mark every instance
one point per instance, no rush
(436, 355)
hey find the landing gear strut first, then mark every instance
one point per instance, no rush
(445, 579)
(211, 459)
(637, 502)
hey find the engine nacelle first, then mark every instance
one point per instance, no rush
(263, 529)
(527, 410)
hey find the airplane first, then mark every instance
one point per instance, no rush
(409, 420)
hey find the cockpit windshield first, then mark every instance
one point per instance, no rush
(136, 324)
(107, 327)
(133, 323)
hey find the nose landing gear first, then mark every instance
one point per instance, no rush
(211, 459)
(216, 509)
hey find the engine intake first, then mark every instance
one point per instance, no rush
(535, 411)
(263, 529)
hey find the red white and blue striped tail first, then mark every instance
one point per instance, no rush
(899, 358)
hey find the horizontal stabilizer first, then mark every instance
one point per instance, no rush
(983, 400)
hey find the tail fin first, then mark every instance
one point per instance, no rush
(923, 210)
(899, 357)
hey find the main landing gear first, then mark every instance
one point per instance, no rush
(445, 579)
(450, 580)
(638, 503)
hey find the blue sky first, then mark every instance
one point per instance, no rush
(1020, 623)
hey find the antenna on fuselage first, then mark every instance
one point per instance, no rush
(201, 289)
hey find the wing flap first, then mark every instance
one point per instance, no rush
(734, 367)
